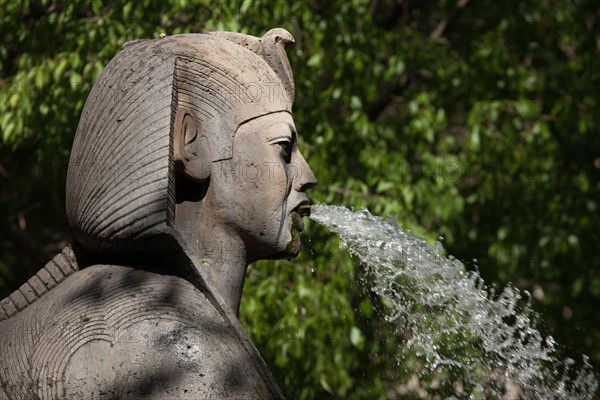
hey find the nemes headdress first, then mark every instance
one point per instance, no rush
(120, 184)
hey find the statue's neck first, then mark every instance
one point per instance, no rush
(217, 250)
(223, 260)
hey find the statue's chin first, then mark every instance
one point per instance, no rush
(294, 245)
(292, 248)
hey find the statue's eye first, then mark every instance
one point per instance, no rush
(286, 150)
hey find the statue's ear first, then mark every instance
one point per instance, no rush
(191, 149)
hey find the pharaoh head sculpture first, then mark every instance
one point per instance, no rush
(184, 169)
(190, 137)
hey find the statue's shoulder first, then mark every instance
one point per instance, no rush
(110, 330)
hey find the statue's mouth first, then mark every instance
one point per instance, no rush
(303, 210)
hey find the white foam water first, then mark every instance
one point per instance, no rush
(456, 322)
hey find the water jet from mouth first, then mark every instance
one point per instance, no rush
(502, 354)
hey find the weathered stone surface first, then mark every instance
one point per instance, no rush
(185, 168)
(126, 333)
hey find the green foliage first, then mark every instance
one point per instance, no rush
(484, 133)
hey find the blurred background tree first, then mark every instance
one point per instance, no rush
(476, 121)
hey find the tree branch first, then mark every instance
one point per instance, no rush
(445, 23)
(375, 108)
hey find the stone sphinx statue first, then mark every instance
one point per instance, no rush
(185, 168)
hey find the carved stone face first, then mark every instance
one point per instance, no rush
(212, 175)
(256, 193)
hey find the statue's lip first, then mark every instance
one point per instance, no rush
(303, 209)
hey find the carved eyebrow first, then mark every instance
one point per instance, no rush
(291, 136)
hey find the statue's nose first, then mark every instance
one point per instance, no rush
(306, 178)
